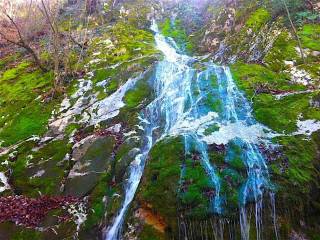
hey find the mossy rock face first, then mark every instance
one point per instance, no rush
(195, 184)
(174, 29)
(280, 115)
(160, 184)
(100, 195)
(138, 95)
(22, 113)
(175, 185)
(246, 35)
(87, 170)
(283, 50)
(294, 170)
(40, 171)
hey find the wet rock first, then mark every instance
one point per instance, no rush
(315, 101)
(87, 170)
(217, 147)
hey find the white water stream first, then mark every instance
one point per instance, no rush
(177, 110)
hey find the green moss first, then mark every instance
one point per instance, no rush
(214, 81)
(301, 154)
(230, 186)
(252, 76)
(161, 179)
(97, 205)
(176, 31)
(149, 233)
(234, 158)
(14, 72)
(211, 129)
(283, 50)
(127, 43)
(26, 234)
(309, 35)
(101, 95)
(196, 183)
(258, 19)
(46, 159)
(112, 86)
(216, 158)
(23, 115)
(138, 94)
(71, 127)
(101, 74)
(214, 103)
(280, 115)
(31, 120)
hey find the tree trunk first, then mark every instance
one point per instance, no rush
(36, 58)
(294, 30)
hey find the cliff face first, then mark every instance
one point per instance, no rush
(64, 160)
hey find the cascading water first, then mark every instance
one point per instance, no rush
(179, 109)
(238, 110)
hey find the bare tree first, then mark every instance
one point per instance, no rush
(50, 14)
(20, 30)
(62, 41)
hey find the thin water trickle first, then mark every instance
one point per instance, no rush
(179, 108)
(274, 215)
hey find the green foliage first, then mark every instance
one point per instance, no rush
(307, 16)
(278, 6)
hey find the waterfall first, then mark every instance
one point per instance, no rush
(179, 110)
